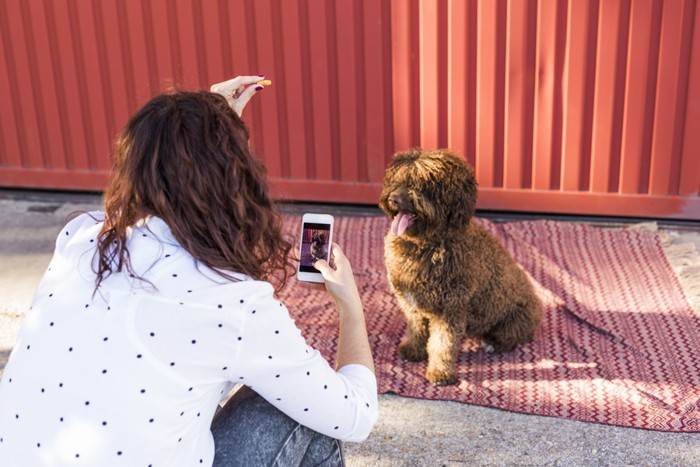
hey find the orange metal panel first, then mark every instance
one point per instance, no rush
(548, 96)
(118, 80)
(609, 96)
(671, 85)
(25, 101)
(11, 134)
(561, 105)
(295, 89)
(489, 75)
(431, 66)
(519, 98)
(406, 66)
(639, 105)
(349, 88)
(689, 185)
(318, 99)
(581, 26)
(460, 69)
(45, 104)
(377, 118)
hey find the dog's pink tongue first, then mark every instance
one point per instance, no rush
(401, 223)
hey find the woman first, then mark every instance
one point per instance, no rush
(150, 312)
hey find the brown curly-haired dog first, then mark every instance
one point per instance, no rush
(451, 277)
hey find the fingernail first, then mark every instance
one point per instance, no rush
(262, 76)
(258, 88)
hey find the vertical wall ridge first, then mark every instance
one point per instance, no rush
(387, 63)
(175, 56)
(126, 54)
(620, 92)
(150, 53)
(37, 96)
(529, 98)
(202, 55)
(281, 74)
(651, 92)
(105, 78)
(361, 92)
(589, 92)
(499, 97)
(310, 152)
(82, 82)
(17, 127)
(443, 67)
(558, 101)
(333, 90)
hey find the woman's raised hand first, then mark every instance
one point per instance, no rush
(238, 91)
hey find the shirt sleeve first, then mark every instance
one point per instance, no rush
(275, 361)
(72, 242)
(74, 226)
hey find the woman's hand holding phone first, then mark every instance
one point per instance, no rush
(340, 282)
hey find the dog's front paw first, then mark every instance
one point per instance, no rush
(440, 377)
(412, 352)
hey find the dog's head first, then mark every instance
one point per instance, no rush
(318, 238)
(427, 191)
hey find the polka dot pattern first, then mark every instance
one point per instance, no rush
(168, 351)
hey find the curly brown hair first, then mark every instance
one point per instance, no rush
(185, 158)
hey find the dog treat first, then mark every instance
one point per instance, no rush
(239, 91)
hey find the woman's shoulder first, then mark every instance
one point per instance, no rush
(77, 226)
(81, 220)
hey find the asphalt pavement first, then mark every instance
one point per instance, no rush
(410, 432)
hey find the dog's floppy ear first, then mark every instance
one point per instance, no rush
(470, 187)
(461, 183)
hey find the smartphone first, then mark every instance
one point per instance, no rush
(315, 244)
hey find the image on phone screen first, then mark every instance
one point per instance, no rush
(314, 245)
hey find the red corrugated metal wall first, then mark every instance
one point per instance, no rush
(589, 107)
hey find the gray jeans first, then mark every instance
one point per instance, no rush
(249, 431)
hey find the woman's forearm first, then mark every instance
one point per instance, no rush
(353, 342)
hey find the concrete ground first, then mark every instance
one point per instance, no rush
(410, 432)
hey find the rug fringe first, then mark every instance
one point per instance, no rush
(685, 261)
(683, 257)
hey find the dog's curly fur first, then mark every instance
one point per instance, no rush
(451, 277)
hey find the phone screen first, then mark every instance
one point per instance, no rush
(314, 245)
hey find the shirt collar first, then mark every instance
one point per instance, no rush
(158, 227)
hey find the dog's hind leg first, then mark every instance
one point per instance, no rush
(413, 344)
(443, 348)
(518, 327)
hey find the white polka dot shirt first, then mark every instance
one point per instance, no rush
(132, 375)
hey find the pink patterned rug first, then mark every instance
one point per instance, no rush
(619, 343)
